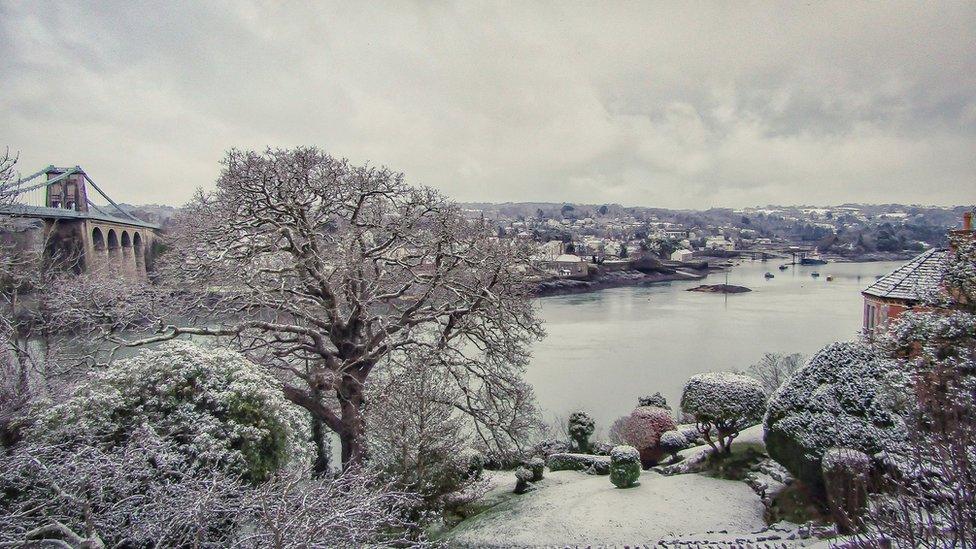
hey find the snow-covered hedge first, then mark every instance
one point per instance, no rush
(588, 463)
(549, 447)
(643, 431)
(835, 400)
(723, 403)
(581, 426)
(214, 405)
(625, 466)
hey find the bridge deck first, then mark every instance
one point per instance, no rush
(43, 212)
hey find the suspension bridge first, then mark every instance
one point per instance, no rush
(74, 217)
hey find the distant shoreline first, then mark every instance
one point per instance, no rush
(619, 279)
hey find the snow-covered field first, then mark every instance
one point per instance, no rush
(572, 508)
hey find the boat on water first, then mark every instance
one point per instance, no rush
(783, 267)
(813, 259)
(815, 275)
(769, 275)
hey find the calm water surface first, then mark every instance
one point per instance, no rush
(606, 348)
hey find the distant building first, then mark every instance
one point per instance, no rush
(719, 243)
(567, 266)
(908, 286)
(682, 255)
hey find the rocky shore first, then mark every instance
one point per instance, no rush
(615, 279)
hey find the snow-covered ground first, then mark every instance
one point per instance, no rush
(572, 508)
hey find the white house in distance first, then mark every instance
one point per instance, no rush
(682, 255)
(719, 243)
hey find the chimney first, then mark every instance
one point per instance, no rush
(960, 234)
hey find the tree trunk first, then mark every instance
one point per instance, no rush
(352, 438)
(323, 447)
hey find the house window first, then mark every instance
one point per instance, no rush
(869, 316)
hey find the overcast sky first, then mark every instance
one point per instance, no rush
(654, 104)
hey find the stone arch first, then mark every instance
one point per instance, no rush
(98, 240)
(113, 239)
(136, 239)
(126, 241)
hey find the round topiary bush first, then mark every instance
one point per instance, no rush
(523, 480)
(723, 404)
(835, 400)
(644, 429)
(537, 466)
(215, 407)
(673, 442)
(625, 466)
(581, 426)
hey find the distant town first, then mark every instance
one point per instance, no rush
(852, 232)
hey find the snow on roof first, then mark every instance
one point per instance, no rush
(568, 258)
(913, 279)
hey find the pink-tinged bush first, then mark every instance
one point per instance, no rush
(643, 431)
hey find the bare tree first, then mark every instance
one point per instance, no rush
(773, 369)
(352, 510)
(324, 270)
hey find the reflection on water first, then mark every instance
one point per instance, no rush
(604, 349)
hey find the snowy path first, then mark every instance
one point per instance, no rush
(571, 508)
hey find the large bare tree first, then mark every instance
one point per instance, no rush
(325, 271)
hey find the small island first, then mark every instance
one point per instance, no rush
(720, 289)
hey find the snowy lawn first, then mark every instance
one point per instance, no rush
(572, 508)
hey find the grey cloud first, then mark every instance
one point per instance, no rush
(664, 105)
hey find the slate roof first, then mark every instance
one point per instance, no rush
(913, 280)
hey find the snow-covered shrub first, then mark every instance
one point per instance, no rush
(846, 474)
(723, 403)
(656, 400)
(834, 400)
(601, 448)
(643, 431)
(523, 480)
(673, 442)
(537, 466)
(588, 463)
(143, 491)
(473, 462)
(214, 405)
(549, 447)
(581, 426)
(625, 466)
(147, 493)
(691, 434)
